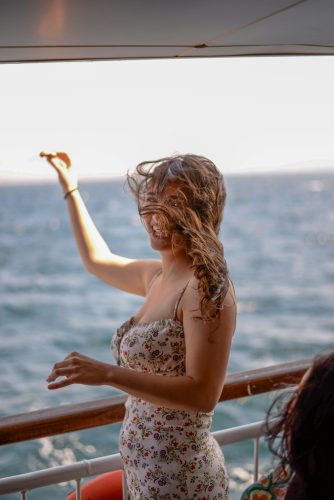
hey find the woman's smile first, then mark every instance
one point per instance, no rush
(158, 233)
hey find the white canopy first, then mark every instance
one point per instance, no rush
(67, 30)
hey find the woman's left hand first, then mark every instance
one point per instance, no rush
(79, 369)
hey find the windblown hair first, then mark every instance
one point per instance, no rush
(306, 425)
(195, 212)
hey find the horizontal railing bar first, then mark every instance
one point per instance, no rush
(74, 417)
(60, 474)
(61, 419)
(241, 433)
(270, 378)
(94, 466)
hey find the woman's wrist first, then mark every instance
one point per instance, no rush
(69, 191)
(110, 372)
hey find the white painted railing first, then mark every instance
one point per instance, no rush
(24, 483)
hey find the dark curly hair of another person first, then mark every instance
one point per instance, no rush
(303, 437)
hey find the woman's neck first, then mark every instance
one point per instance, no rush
(174, 265)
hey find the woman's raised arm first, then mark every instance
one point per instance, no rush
(130, 275)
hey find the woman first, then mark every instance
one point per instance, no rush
(303, 439)
(172, 354)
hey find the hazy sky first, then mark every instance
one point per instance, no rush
(249, 113)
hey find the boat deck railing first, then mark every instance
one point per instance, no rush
(68, 418)
(24, 483)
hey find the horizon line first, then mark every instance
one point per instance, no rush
(116, 178)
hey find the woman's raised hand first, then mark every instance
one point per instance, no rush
(61, 162)
(78, 369)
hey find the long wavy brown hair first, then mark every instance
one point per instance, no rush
(195, 211)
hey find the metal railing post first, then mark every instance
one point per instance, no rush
(124, 487)
(256, 458)
(78, 489)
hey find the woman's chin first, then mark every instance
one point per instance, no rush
(159, 242)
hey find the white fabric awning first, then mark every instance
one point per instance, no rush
(61, 30)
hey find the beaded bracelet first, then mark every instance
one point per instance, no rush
(69, 192)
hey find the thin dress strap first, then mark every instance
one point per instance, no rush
(178, 301)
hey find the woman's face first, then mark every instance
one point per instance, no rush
(161, 236)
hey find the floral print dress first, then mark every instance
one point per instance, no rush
(167, 453)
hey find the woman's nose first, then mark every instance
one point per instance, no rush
(154, 219)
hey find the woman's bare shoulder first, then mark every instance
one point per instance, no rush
(194, 294)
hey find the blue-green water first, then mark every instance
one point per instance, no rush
(278, 233)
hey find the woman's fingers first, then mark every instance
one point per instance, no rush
(61, 383)
(61, 162)
(65, 367)
(62, 369)
(61, 372)
(58, 160)
(52, 159)
(79, 369)
(74, 355)
(43, 154)
(65, 158)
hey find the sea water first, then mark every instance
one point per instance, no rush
(278, 235)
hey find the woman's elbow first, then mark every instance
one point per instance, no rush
(203, 396)
(209, 406)
(207, 403)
